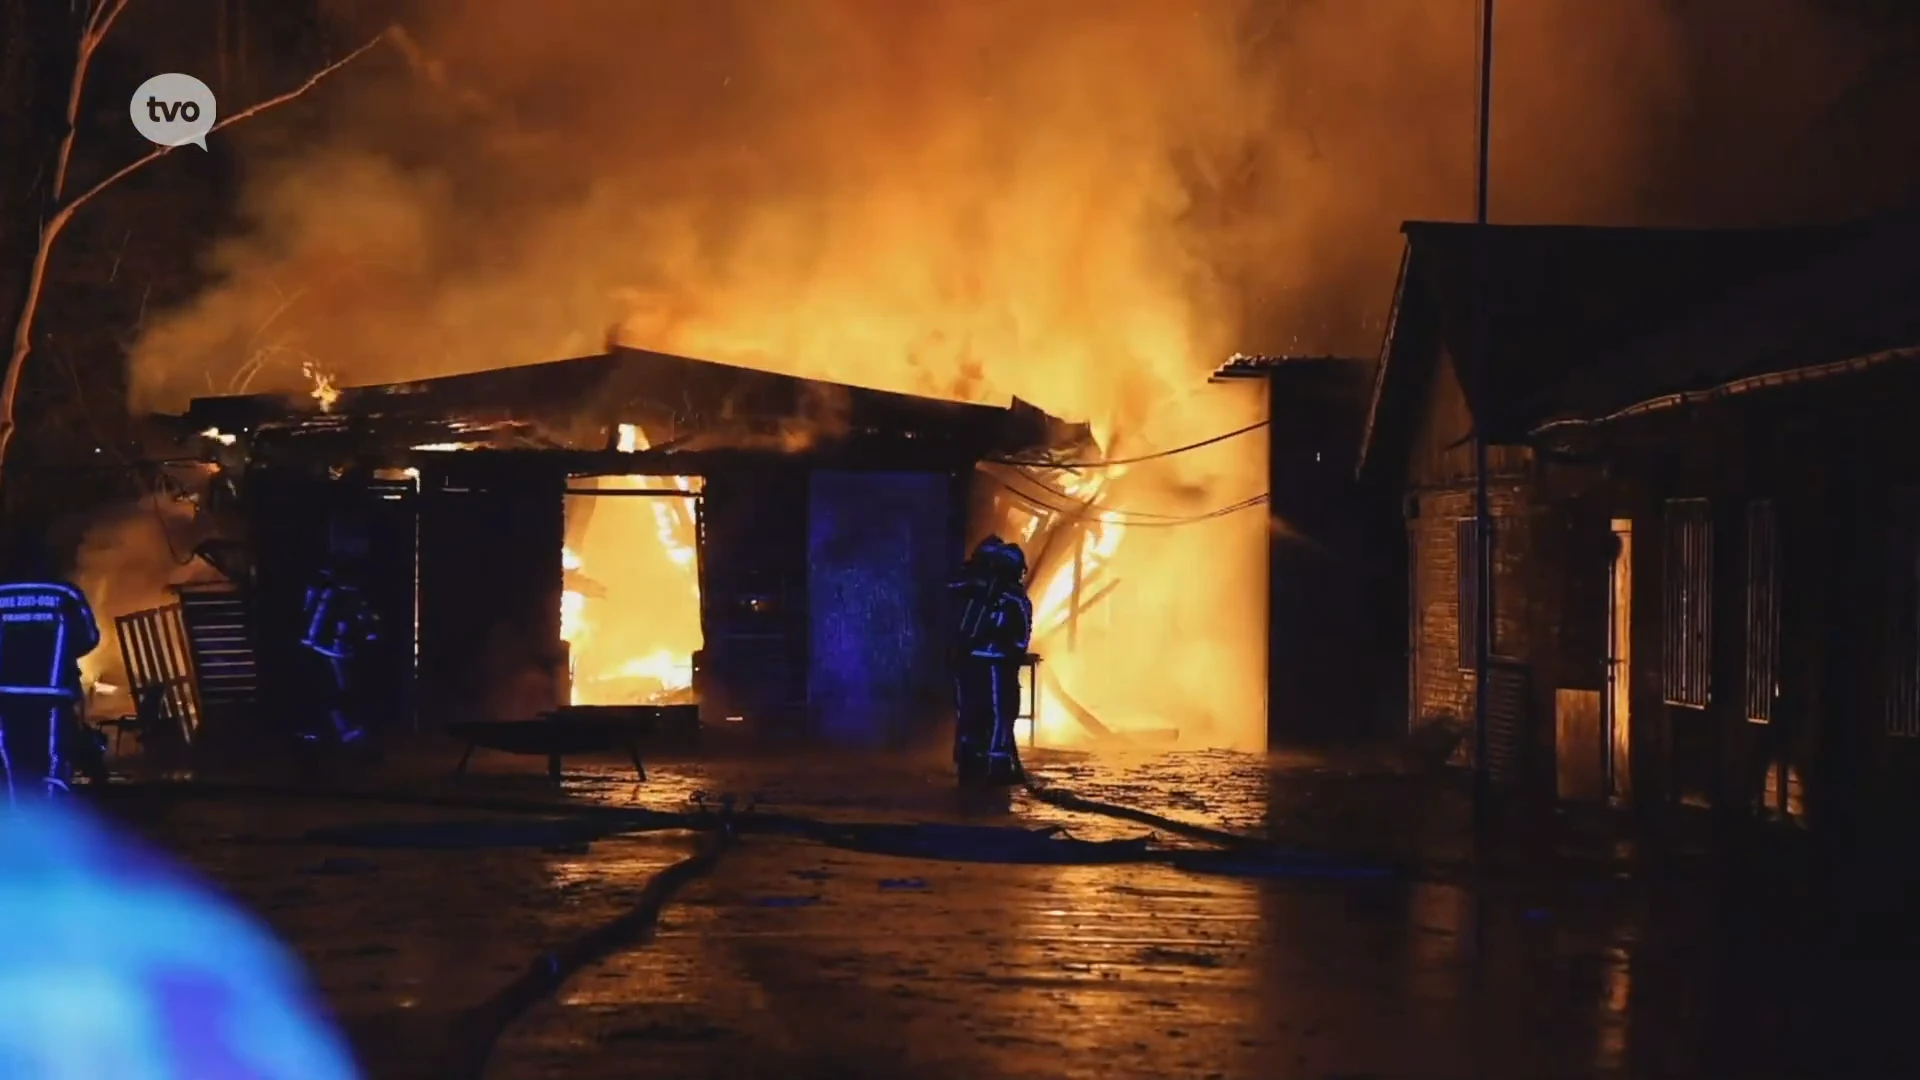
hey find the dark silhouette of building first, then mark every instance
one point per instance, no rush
(1335, 585)
(1702, 490)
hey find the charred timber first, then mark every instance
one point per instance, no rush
(576, 404)
(1242, 366)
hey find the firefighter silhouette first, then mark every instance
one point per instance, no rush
(996, 625)
(337, 626)
(46, 626)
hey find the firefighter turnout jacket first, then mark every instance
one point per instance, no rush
(338, 620)
(45, 628)
(996, 621)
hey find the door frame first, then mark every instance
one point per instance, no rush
(1616, 706)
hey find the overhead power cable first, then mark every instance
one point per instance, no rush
(1231, 508)
(1110, 462)
(1138, 519)
(1093, 507)
(1076, 504)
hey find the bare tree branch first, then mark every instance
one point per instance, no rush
(435, 73)
(247, 113)
(286, 305)
(99, 22)
(102, 18)
(83, 54)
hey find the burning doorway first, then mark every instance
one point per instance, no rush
(630, 612)
(630, 606)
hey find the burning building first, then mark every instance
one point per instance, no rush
(635, 528)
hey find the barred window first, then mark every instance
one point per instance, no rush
(1763, 611)
(1903, 609)
(1687, 608)
(1466, 554)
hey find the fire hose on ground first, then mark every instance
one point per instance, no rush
(584, 823)
(475, 1033)
(478, 1031)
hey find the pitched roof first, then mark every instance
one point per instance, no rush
(1858, 301)
(574, 404)
(1562, 300)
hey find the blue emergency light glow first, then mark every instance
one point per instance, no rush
(55, 678)
(114, 964)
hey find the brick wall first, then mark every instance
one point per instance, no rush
(1441, 688)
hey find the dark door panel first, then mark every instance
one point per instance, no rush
(879, 556)
(490, 584)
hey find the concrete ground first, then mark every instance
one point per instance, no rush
(795, 958)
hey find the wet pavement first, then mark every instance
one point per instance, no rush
(796, 958)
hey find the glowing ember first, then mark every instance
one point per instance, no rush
(219, 436)
(323, 390)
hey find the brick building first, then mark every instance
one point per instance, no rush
(1564, 304)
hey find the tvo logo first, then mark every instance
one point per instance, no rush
(169, 111)
(173, 110)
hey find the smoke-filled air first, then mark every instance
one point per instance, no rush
(1088, 204)
(127, 563)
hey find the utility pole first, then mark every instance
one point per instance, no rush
(1477, 391)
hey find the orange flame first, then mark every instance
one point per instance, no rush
(1056, 201)
(324, 391)
(1065, 585)
(632, 639)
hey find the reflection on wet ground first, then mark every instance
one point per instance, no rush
(796, 959)
(402, 930)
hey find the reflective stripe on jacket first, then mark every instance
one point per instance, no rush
(45, 628)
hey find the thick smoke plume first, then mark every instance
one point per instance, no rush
(1083, 201)
(127, 562)
(1086, 203)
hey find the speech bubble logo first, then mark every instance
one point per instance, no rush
(173, 110)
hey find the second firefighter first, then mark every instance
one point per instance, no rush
(996, 626)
